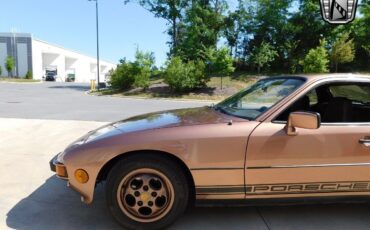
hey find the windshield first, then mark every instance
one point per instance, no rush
(253, 101)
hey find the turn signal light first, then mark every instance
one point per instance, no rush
(81, 176)
(61, 171)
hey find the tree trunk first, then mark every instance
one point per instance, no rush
(217, 6)
(259, 69)
(236, 51)
(236, 45)
(174, 35)
(336, 67)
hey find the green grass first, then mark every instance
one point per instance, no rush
(212, 92)
(21, 80)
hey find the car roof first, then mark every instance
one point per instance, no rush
(315, 77)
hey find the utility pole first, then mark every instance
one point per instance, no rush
(97, 41)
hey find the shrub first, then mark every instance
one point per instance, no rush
(29, 75)
(140, 75)
(122, 77)
(316, 61)
(9, 65)
(133, 74)
(184, 76)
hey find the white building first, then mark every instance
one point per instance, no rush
(40, 57)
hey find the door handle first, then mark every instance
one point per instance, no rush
(365, 141)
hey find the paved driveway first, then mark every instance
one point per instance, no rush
(32, 198)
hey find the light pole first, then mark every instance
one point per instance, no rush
(97, 39)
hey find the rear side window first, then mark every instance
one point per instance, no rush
(355, 93)
(335, 102)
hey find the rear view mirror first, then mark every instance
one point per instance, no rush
(304, 120)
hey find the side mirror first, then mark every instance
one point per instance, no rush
(304, 120)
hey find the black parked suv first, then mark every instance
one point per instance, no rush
(50, 76)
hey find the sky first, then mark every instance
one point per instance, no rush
(71, 24)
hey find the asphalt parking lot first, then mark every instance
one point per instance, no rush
(68, 101)
(39, 120)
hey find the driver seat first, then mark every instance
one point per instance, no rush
(339, 109)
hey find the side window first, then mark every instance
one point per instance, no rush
(312, 95)
(336, 103)
(355, 93)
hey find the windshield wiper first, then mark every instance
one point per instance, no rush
(222, 110)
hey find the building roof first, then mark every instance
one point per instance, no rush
(29, 35)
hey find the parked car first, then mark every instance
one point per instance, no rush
(50, 76)
(70, 78)
(283, 139)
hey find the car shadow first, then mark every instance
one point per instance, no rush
(54, 206)
(73, 86)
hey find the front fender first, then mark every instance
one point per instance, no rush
(92, 157)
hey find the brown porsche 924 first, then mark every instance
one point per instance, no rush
(284, 138)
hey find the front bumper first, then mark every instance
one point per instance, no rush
(85, 190)
(59, 168)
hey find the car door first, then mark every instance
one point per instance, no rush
(334, 159)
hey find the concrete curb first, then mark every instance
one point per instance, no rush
(21, 83)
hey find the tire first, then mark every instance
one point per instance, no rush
(155, 181)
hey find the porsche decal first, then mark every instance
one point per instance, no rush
(277, 189)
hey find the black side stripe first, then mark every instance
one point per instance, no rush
(200, 169)
(224, 190)
(306, 192)
(284, 166)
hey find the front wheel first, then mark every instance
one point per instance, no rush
(146, 192)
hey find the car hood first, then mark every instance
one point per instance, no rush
(172, 118)
(157, 120)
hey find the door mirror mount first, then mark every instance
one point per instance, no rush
(304, 120)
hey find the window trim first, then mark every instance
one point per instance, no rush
(331, 124)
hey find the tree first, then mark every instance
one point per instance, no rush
(202, 27)
(307, 27)
(1, 70)
(170, 10)
(343, 51)
(360, 31)
(367, 49)
(236, 24)
(267, 22)
(142, 68)
(316, 61)
(219, 61)
(9, 65)
(263, 55)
